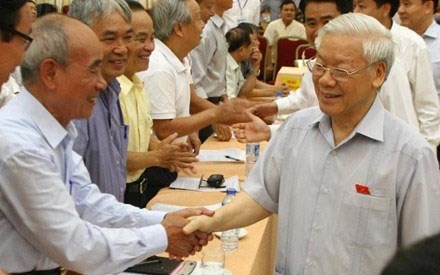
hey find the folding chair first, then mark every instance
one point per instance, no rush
(286, 51)
(305, 51)
(263, 49)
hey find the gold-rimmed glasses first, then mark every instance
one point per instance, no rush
(338, 74)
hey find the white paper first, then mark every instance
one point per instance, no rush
(235, 154)
(196, 185)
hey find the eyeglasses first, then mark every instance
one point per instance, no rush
(27, 39)
(338, 74)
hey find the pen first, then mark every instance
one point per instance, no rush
(155, 261)
(201, 180)
(229, 157)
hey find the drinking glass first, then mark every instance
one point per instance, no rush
(213, 261)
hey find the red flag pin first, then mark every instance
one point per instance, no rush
(362, 189)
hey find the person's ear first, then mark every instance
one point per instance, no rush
(178, 29)
(48, 72)
(429, 7)
(385, 10)
(379, 75)
(241, 50)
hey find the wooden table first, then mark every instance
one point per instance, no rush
(256, 251)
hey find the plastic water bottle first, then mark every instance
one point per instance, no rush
(279, 94)
(230, 237)
(252, 154)
(278, 118)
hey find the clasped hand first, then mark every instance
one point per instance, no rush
(182, 245)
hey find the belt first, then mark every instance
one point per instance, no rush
(137, 186)
(56, 271)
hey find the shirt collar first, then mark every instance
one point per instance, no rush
(433, 30)
(126, 84)
(170, 56)
(370, 126)
(217, 20)
(52, 130)
(233, 62)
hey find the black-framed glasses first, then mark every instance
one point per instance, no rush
(27, 39)
(338, 74)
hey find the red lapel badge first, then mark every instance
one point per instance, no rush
(362, 189)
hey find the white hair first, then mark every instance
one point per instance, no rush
(166, 14)
(91, 11)
(50, 42)
(377, 43)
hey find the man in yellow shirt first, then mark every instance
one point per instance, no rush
(151, 163)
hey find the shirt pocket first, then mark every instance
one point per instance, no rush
(279, 271)
(364, 220)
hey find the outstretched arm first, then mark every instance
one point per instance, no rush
(254, 131)
(242, 211)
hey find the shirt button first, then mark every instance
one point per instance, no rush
(309, 263)
(317, 228)
(117, 162)
(325, 190)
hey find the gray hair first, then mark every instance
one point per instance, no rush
(50, 42)
(91, 11)
(166, 14)
(377, 41)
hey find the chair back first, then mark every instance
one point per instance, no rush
(263, 49)
(305, 51)
(286, 51)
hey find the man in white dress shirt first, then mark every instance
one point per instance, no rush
(175, 108)
(418, 15)
(242, 11)
(418, 107)
(415, 80)
(350, 183)
(285, 26)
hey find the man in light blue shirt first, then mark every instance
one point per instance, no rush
(350, 182)
(103, 138)
(50, 212)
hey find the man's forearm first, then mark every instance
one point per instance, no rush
(241, 212)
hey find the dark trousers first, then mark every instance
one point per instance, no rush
(141, 191)
(56, 271)
(206, 132)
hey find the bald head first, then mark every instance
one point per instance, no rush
(54, 36)
(62, 68)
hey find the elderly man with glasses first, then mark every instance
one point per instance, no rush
(419, 110)
(349, 181)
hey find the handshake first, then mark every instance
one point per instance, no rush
(182, 243)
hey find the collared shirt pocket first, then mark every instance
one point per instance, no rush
(364, 220)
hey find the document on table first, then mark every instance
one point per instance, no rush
(225, 155)
(199, 184)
